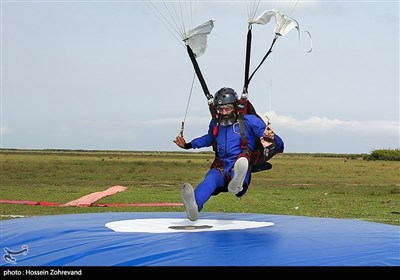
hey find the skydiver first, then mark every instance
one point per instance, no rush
(230, 171)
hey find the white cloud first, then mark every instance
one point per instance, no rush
(327, 125)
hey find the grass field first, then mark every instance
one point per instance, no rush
(314, 185)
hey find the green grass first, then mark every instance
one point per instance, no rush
(314, 185)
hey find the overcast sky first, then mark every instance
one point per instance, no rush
(109, 75)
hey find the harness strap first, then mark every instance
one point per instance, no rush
(242, 105)
(247, 63)
(243, 139)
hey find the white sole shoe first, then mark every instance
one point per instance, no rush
(240, 170)
(189, 202)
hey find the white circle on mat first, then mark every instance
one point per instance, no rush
(161, 225)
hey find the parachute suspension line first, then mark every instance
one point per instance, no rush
(187, 106)
(270, 96)
(185, 15)
(174, 17)
(252, 9)
(292, 9)
(166, 22)
(191, 13)
(270, 93)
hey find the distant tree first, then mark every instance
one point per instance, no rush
(384, 154)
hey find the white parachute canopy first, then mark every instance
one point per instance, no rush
(196, 38)
(283, 23)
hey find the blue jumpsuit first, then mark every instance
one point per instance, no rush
(229, 149)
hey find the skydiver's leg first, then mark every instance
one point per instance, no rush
(204, 190)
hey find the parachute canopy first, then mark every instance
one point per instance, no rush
(283, 23)
(196, 38)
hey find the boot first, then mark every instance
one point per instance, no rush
(189, 202)
(240, 170)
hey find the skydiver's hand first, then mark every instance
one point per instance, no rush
(180, 141)
(267, 143)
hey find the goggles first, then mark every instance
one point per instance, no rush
(227, 108)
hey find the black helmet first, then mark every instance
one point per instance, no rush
(225, 96)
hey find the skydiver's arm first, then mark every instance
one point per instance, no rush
(262, 131)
